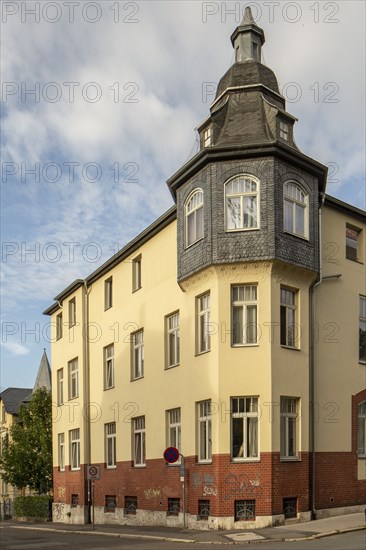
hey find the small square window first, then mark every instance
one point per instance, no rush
(130, 506)
(353, 238)
(173, 507)
(108, 293)
(203, 509)
(110, 504)
(284, 131)
(244, 510)
(289, 507)
(136, 274)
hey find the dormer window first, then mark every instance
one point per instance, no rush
(255, 51)
(284, 131)
(207, 137)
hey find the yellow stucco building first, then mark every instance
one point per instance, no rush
(232, 329)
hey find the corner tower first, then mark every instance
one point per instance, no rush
(249, 194)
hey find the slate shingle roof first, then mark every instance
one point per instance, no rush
(13, 397)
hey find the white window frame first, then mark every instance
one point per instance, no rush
(207, 136)
(72, 312)
(108, 360)
(288, 309)
(110, 445)
(73, 378)
(172, 324)
(74, 437)
(204, 431)
(240, 197)
(61, 452)
(361, 430)
(136, 273)
(174, 429)
(246, 304)
(284, 130)
(108, 293)
(289, 422)
(194, 209)
(59, 326)
(361, 327)
(138, 442)
(203, 308)
(137, 351)
(60, 386)
(242, 404)
(295, 196)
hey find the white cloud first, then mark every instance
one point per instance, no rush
(15, 349)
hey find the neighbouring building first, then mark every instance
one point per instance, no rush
(233, 328)
(11, 400)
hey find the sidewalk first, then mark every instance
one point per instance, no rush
(299, 531)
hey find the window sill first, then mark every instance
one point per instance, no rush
(244, 460)
(203, 462)
(245, 345)
(361, 457)
(75, 469)
(290, 459)
(172, 366)
(187, 246)
(139, 466)
(107, 308)
(136, 289)
(290, 347)
(110, 467)
(242, 229)
(362, 362)
(137, 378)
(303, 237)
(355, 261)
(110, 388)
(202, 352)
(74, 397)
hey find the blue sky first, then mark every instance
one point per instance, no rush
(118, 89)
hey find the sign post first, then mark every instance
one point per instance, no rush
(171, 455)
(92, 474)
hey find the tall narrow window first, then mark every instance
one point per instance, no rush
(75, 449)
(204, 432)
(203, 323)
(59, 326)
(72, 312)
(362, 331)
(244, 428)
(137, 340)
(353, 236)
(244, 314)
(174, 429)
(73, 379)
(295, 210)
(61, 452)
(361, 447)
(241, 204)
(138, 451)
(255, 51)
(288, 318)
(194, 217)
(60, 386)
(110, 444)
(108, 353)
(173, 340)
(136, 273)
(108, 293)
(288, 428)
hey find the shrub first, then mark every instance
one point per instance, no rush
(37, 506)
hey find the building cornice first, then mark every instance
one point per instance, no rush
(345, 208)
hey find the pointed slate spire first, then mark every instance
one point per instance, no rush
(248, 39)
(44, 374)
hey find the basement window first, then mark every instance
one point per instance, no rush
(289, 507)
(110, 504)
(130, 506)
(173, 507)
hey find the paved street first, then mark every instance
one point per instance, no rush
(25, 539)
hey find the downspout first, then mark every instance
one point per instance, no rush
(87, 390)
(312, 318)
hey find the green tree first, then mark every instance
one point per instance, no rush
(27, 456)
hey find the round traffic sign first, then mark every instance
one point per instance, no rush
(93, 471)
(171, 455)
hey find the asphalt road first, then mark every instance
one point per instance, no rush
(23, 539)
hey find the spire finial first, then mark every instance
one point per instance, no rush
(248, 39)
(248, 18)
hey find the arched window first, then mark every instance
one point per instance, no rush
(194, 217)
(295, 210)
(241, 204)
(361, 447)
